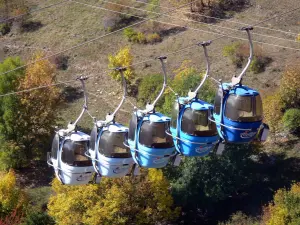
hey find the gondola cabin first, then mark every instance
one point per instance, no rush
(111, 157)
(149, 143)
(68, 158)
(192, 131)
(238, 113)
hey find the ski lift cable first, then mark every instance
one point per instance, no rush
(183, 49)
(33, 11)
(189, 20)
(226, 20)
(96, 38)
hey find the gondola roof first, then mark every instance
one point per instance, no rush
(196, 105)
(79, 136)
(240, 90)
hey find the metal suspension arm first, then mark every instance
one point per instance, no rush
(111, 117)
(150, 107)
(204, 45)
(237, 80)
(85, 106)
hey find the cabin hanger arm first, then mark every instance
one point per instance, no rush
(150, 107)
(193, 94)
(238, 80)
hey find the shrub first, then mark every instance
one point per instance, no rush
(298, 37)
(231, 52)
(123, 58)
(149, 88)
(39, 218)
(273, 111)
(62, 62)
(239, 53)
(290, 87)
(135, 36)
(5, 28)
(240, 218)
(153, 38)
(291, 120)
(11, 197)
(130, 33)
(11, 156)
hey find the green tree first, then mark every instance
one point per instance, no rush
(187, 78)
(139, 200)
(10, 105)
(285, 210)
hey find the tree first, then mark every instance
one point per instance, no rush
(139, 200)
(285, 210)
(187, 78)
(202, 185)
(123, 58)
(38, 107)
(12, 198)
(10, 105)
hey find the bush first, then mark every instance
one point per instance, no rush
(62, 62)
(134, 36)
(231, 52)
(5, 28)
(239, 53)
(291, 120)
(273, 111)
(11, 156)
(153, 38)
(240, 218)
(290, 87)
(39, 218)
(298, 37)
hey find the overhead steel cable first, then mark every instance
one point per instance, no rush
(226, 20)
(95, 39)
(189, 20)
(33, 11)
(187, 27)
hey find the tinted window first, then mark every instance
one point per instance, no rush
(258, 106)
(55, 146)
(243, 108)
(196, 123)
(93, 138)
(174, 114)
(73, 153)
(218, 101)
(111, 145)
(153, 135)
(132, 127)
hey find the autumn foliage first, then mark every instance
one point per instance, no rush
(139, 200)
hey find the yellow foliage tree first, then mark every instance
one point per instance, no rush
(123, 58)
(11, 197)
(139, 200)
(38, 115)
(285, 210)
(290, 87)
(273, 111)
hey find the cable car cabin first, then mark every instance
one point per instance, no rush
(111, 157)
(238, 113)
(68, 158)
(192, 131)
(149, 143)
